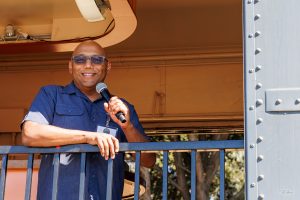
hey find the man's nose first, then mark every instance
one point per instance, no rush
(88, 63)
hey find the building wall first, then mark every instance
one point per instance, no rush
(164, 85)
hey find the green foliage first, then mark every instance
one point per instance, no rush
(234, 176)
(234, 173)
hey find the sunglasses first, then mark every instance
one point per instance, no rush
(95, 59)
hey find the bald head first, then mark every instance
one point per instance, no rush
(89, 45)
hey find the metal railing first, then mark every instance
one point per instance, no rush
(166, 147)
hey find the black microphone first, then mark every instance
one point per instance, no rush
(101, 88)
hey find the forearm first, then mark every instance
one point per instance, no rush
(34, 134)
(133, 135)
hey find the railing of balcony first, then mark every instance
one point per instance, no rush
(166, 147)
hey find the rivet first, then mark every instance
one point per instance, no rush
(257, 16)
(278, 101)
(261, 177)
(261, 196)
(252, 146)
(297, 101)
(251, 108)
(257, 33)
(251, 71)
(258, 85)
(259, 120)
(260, 158)
(259, 102)
(252, 185)
(250, 35)
(260, 139)
(258, 50)
(258, 67)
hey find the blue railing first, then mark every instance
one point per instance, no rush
(192, 146)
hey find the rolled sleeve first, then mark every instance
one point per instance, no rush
(42, 107)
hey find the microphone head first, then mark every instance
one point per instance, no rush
(100, 87)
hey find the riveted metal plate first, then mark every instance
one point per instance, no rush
(283, 100)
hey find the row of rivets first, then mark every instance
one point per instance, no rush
(279, 101)
(255, 1)
(259, 102)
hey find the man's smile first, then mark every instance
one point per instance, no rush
(88, 74)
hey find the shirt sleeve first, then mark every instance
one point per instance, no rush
(42, 107)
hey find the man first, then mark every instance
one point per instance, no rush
(72, 115)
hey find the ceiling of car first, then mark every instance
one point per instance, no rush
(152, 25)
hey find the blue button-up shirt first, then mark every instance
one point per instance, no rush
(68, 107)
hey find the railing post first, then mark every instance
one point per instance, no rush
(222, 174)
(82, 176)
(3, 175)
(110, 169)
(165, 175)
(29, 176)
(193, 174)
(55, 176)
(137, 175)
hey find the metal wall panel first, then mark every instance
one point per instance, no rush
(272, 124)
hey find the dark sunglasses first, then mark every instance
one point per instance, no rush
(95, 59)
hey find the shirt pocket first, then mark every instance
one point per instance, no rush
(67, 116)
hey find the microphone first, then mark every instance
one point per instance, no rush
(101, 88)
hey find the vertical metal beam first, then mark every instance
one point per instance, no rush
(55, 176)
(3, 175)
(250, 95)
(137, 175)
(193, 174)
(82, 176)
(165, 175)
(29, 176)
(110, 169)
(222, 174)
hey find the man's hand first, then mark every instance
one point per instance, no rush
(114, 106)
(108, 144)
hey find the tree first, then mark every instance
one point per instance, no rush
(207, 167)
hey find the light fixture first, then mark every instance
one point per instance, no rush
(91, 9)
(10, 31)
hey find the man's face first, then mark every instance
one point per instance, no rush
(86, 73)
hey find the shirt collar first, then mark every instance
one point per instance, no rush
(70, 89)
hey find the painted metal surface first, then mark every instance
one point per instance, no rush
(283, 99)
(271, 75)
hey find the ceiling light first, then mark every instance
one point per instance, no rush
(10, 31)
(90, 9)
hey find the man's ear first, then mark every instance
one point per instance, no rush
(108, 66)
(70, 67)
